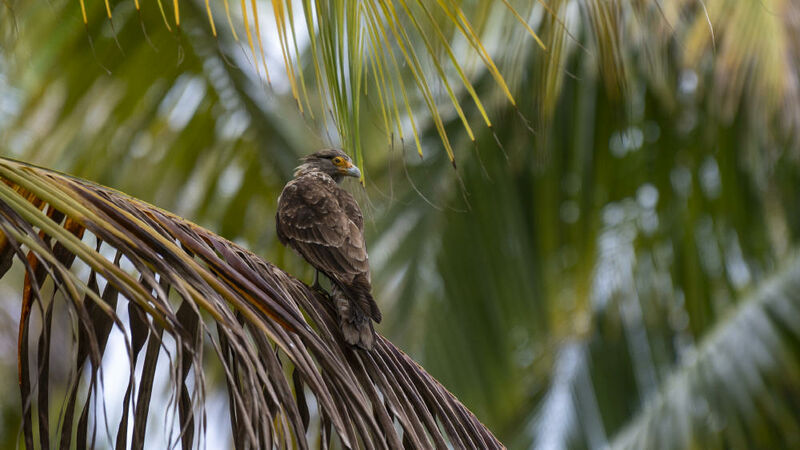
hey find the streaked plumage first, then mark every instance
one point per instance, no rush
(323, 223)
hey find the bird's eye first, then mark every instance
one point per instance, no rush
(337, 161)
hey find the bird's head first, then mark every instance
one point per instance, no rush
(330, 161)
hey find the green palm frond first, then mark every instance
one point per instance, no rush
(539, 217)
(97, 253)
(757, 57)
(153, 127)
(401, 52)
(692, 100)
(739, 388)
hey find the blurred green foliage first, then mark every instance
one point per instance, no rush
(612, 260)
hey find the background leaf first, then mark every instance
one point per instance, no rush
(627, 204)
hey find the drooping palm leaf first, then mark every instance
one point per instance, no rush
(757, 59)
(694, 70)
(738, 389)
(577, 179)
(277, 341)
(352, 46)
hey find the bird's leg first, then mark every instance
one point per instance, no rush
(316, 285)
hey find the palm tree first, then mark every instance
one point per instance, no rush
(181, 110)
(268, 329)
(630, 228)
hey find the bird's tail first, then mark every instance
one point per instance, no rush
(355, 324)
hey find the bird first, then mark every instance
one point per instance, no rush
(323, 223)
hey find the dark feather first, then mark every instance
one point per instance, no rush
(323, 223)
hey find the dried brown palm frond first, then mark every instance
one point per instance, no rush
(276, 341)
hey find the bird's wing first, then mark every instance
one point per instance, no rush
(311, 220)
(351, 209)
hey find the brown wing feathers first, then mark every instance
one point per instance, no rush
(323, 223)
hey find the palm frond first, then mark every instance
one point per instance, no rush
(757, 57)
(736, 389)
(203, 129)
(276, 341)
(349, 46)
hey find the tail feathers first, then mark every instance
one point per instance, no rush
(359, 290)
(356, 326)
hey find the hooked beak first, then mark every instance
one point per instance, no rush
(352, 171)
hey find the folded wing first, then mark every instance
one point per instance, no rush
(323, 223)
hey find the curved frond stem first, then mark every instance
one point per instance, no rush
(277, 341)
